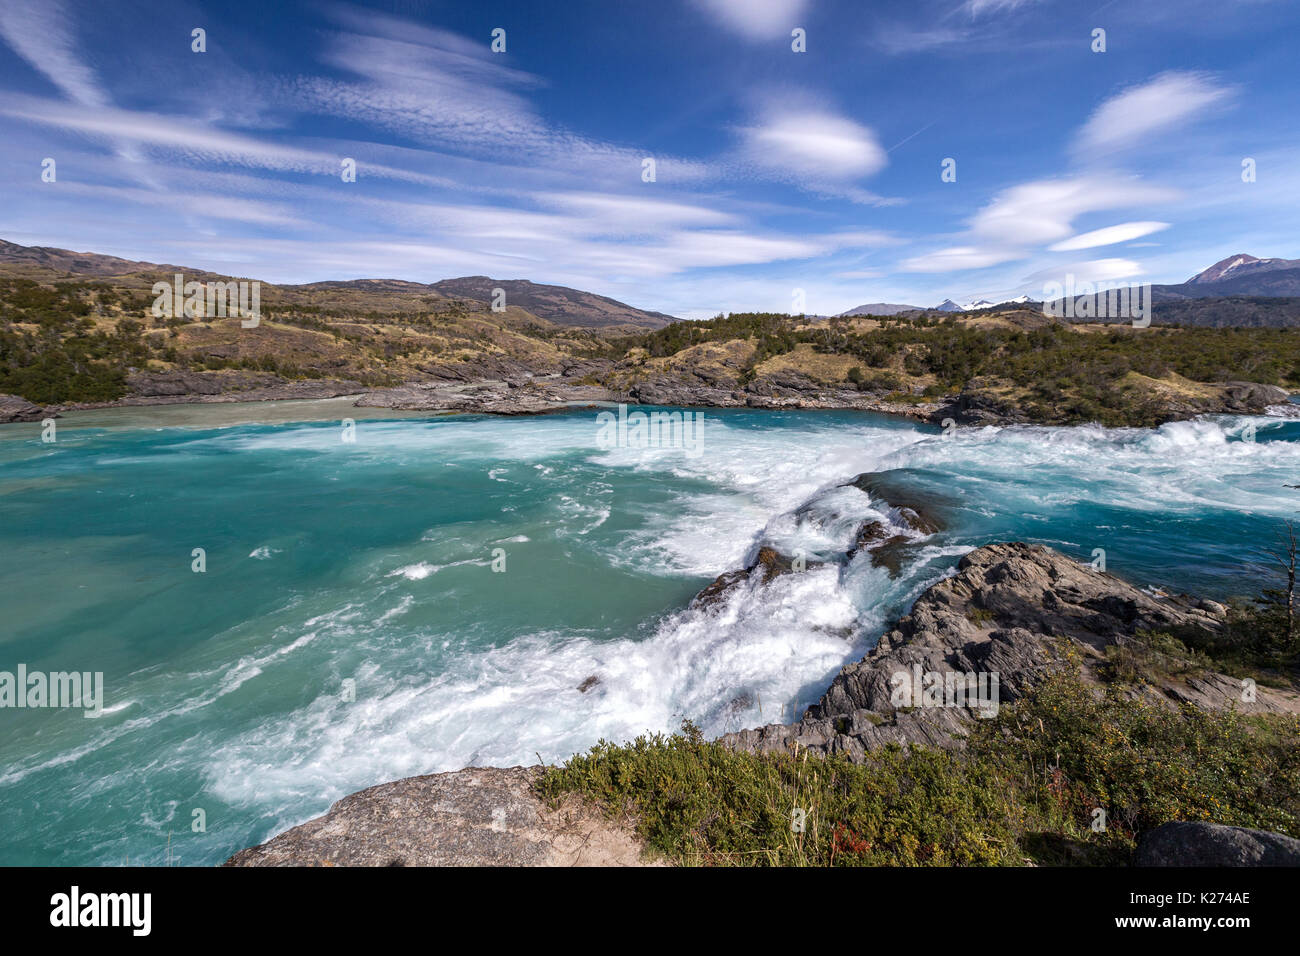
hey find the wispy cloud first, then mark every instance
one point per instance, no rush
(1132, 118)
(814, 146)
(41, 32)
(1108, 236)
(1030, 215)
(756, 19)
(979, 8)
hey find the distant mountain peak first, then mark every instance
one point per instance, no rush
(950, 306)
(1223, 267)
(558, 304)
(882, 308)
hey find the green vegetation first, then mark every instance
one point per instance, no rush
(1023, 789)
(1063, 374)
(51, 348)
(77, 341)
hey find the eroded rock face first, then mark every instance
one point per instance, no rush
(1252, 397)
(1212, 844)
(15, 409)
(516, 396)
(1013, 610)
(480, 816)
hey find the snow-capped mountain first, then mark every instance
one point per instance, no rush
(1237, 275)
(1240, 265)
(951, 306)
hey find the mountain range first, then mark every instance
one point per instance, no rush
(557, 304)
(1236, 276)
(1238, 280)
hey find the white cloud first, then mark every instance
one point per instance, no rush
(757, 19)
(1042, 211)
(812, 147)
(957, 258)
(192, 140)
(1036, 213)
(896, 38)
(1109, 235)
(1134, 117)
(631, 215)
(1094, 270)
(40, 31)
(977, 8)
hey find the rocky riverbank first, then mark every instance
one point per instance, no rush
(1016, 610)
(517, 390)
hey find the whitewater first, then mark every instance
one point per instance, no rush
(434, 594)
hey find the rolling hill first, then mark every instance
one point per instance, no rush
(556, 304)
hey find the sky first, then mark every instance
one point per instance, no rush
(910, 151)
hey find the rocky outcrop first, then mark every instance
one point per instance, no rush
(1011, 610)
(980, 403)
(768, 564)
(515, 396)
(15, 409)
(480, 816)
(229, 385)
(1212, 844)
(915, 512)
(1014, 610)
(1251, 398)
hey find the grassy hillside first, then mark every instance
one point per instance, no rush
(76, 340)
(1055, 372)
(65, 339)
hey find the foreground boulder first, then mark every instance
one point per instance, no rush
(1212, 844)
(480, 816)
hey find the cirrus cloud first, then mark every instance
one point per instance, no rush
(1108, 236)
(1149, 110)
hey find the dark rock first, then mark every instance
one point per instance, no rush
(1252, 397)
(891, 553)
(588, 684)
(1212, 844)
(920, 510)
(978, 408)
(720, 586)
(15, 409)
(871, 532)
(770, 562)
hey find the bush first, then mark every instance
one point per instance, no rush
(1026, 787)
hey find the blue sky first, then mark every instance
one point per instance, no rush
(775, 171)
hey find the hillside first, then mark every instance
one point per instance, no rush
(68, 339)
(558, 304)
(977, 368)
